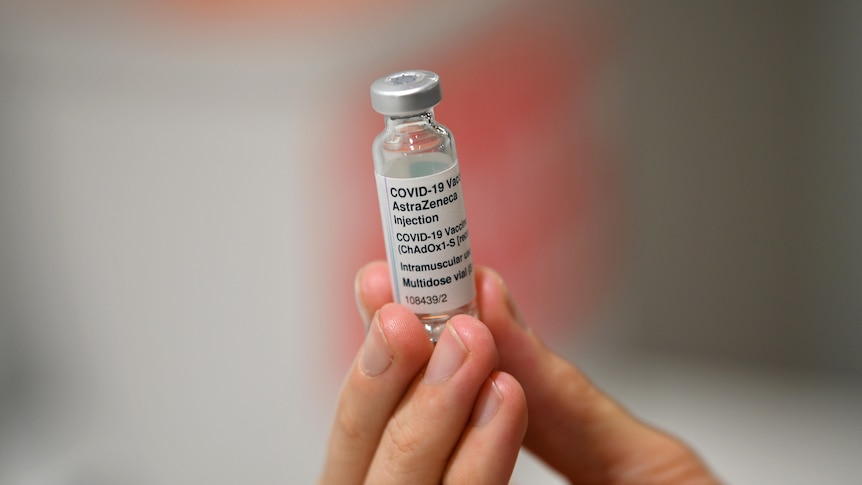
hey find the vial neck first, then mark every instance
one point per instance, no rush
(420, 118)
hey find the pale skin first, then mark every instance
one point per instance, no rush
(459, 412)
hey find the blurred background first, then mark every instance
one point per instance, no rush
(673, 191)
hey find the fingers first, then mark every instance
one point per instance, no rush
(411, 412)
(395, 350)
(575, 427)
(422, 433)
(564, 407)
(489, 448)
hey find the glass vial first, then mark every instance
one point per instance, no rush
(421, 204)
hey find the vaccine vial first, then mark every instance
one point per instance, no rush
(421, 203)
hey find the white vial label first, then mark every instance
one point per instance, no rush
(427, 242)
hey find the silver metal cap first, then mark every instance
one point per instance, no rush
(405, 92)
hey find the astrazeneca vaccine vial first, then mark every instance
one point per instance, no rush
(421, 203)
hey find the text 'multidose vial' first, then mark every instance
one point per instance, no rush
(421, 203)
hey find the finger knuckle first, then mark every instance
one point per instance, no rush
(352, 427)
(403, 438)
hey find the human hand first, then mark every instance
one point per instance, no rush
(412, 413)
(397, 428)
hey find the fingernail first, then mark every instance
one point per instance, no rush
(488, 405)
(447, 357)
(376, 354)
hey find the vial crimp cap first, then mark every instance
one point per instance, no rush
(406, 92)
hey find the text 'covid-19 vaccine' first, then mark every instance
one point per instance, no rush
(421, 202)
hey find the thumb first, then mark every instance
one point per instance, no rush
(574, 426)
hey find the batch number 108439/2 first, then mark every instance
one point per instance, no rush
(426, 300)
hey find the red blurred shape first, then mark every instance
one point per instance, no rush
(542, 197)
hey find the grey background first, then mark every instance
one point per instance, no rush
(736, 322)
